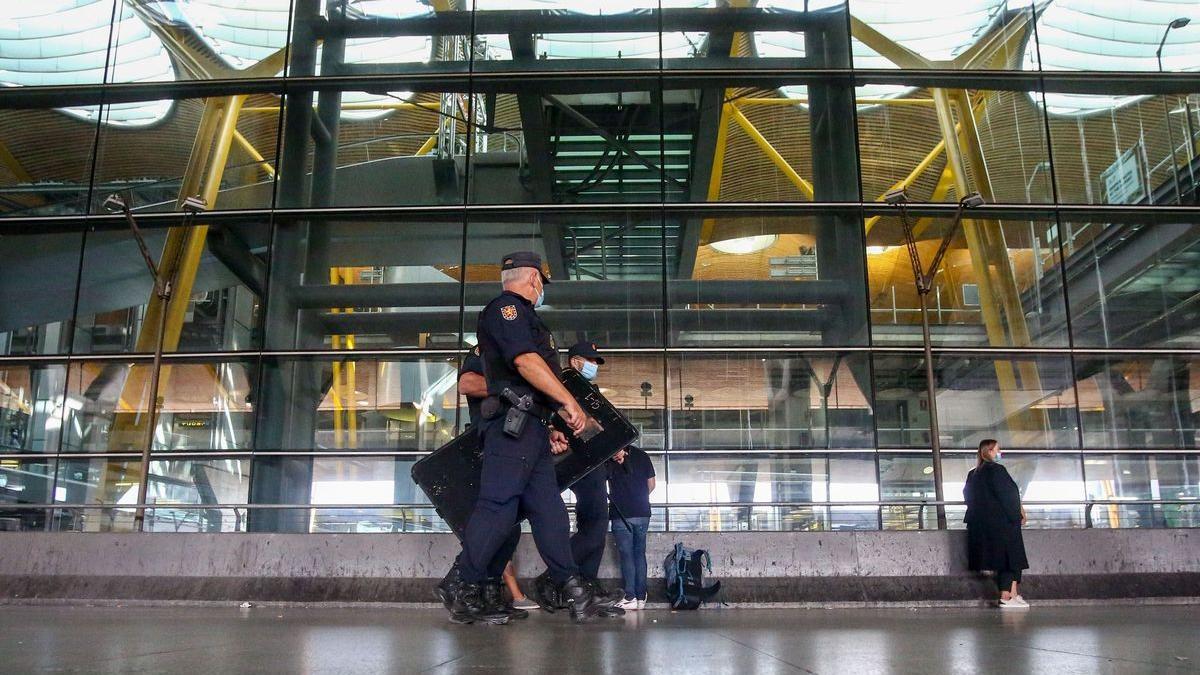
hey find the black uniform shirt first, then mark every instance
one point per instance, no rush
(509, 327)
(628, 490)
(472, 364)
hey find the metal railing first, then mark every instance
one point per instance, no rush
(878, 507)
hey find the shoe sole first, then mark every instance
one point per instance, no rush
(442, 597)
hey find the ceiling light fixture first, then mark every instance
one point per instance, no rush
(745, 245)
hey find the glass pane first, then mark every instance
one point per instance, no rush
(39, 178)
(341, 485)
(909, 478)
(96, 481)
(394, 147)
(401, 404)
(1138, 402)
(1120, 149)
(975, 34)
(379, 37)
(247, 39)
(372, 284)
(157, 153)
(31, 407)
(999, 285)
(1144, 477)
(767, 280)
(1023, 401)
(187, 481)
(207, 406)
(556, 35)
(1097, 35)
(606, 272)
(753, 401)
(25, 482)
(1133, 284)
(602, 146)
(106, 407)
(901, 144)
(37, 291)
(217, 293)
(1041, 478)
(34, 34)
(792, 34)
(635, 385)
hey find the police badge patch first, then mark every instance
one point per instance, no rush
(509, 312)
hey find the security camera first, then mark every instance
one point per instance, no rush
(897, 196)
(194, 205)
(114, 203)
(972, 200)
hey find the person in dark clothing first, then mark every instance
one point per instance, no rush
(994, 519)
(630, 482)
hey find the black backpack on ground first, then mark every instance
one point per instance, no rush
(684, 573)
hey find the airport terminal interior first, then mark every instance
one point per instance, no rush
(826, 248)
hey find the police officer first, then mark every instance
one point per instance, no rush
(518, 471)
(591, 491)
(473, 386)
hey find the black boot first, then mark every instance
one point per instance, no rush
(610, 597)
(583, 602)
(468, 607)
(546, 593)
(447, 588)
(493, 600)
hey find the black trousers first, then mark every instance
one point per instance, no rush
(1005, 579)
(518, 478)
(591, 521)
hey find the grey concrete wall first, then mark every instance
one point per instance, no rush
(760, 567)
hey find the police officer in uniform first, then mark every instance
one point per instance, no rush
(473, 386)
(518, 471)
(591, 495)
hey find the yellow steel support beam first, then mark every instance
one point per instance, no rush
(772, 154)
(908, 180)
(887, 47)
(254, 154)
(999, 43)
(858, 101)
(427, 147)
(14, 166)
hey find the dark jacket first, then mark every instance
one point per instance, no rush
(994, 539)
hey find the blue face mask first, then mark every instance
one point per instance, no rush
(541, 297)
(589, 370)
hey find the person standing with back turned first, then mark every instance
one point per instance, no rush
(994, 519)
(518, 476)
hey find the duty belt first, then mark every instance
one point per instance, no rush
(494, 406)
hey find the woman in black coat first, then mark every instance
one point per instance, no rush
(994, 520)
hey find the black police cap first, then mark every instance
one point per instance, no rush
(587, 350)
(524, 259)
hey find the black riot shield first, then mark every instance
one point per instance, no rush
(450, 475)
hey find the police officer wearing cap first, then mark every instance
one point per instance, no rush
(521, 366)
(473, 386)
(591, 491)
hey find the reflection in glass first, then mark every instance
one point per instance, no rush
(1040, 478)
(767, 280)
(358, 404)
(38, 279)
(1023, 401)
(217, 295)
(219, 149)
(31, 407)
(197, 481)
(106, 408)
(25, 482)
(347, 285)
(606, 271)
(909, 478)
(1000, 284)
(1137, 402)
(96, 480)
(1133, 284)
(40, 178)
(1121, 476)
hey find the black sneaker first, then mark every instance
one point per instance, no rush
(546, 593)
(468, 607)
(610, 597)
(447, 588)
(583, 602)
(493, 600)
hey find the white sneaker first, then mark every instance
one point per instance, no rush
(1015, 602)
(628, 604)
(641, 604)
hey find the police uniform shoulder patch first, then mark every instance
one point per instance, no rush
(509, 312)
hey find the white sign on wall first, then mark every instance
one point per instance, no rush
(1124, 181)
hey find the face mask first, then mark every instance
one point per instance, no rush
(998, 456)
(540, 298)
(589, 370)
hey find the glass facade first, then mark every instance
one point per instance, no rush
(708, 182)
